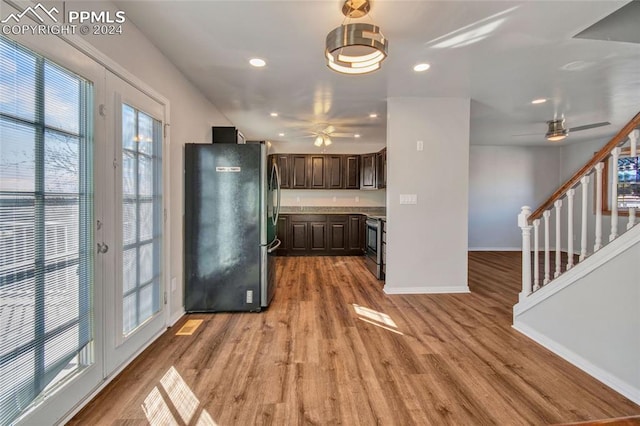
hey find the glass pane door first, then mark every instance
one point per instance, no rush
(46, 262)
(141, 217)
(136, 223)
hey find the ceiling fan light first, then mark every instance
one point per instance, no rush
(556, 131)
(556, 137)
(327, 141)
(318, 141)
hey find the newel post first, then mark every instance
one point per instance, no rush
(523, 223)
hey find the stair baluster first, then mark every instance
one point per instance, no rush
(570, 195)
(536, 255)
(547, 263)
(558, 247)
(598, 244)
(615, 154)
(584, 182)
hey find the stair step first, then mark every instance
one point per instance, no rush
(619, 421)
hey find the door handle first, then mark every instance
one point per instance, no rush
(102, 248)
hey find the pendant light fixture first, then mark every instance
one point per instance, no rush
(356, 48)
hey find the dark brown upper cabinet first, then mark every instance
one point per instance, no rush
(381, 168)
(352, 171)
(334, 171)
(368, 171)
(317, 171)
(299, 171)
(282, 160)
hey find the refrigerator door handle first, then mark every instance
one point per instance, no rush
(274, 246)
(275, 171)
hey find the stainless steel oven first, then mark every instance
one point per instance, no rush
(373, 252)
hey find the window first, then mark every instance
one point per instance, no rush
(628, 187)
(46, 265)
(628, 182)
(141, 217)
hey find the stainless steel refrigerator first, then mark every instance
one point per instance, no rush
(231, 213)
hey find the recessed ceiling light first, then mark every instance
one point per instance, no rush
(538, 101)
(421, 67)
(357, 135)
(280, 134)
(257, 62)
(373, 115)
(274, 114)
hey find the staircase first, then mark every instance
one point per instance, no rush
(581, 269)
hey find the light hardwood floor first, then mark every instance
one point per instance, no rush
(312, 359)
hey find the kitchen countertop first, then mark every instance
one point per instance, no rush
(378, 212)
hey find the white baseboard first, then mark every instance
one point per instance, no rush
(624, 388)
(426, 290)
(494, 249)
(176, 317)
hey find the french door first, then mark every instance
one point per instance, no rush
(81, 226)
(133, 229)
(51, 341)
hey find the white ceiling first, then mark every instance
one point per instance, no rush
(500, 54)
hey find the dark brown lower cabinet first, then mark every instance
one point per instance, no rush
(356, 232)
(299, 237)
(283, 230)
(338, 233)
(311, 235)
(363, 233)
(318, 236)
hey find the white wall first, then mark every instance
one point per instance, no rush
(333, 198)
(595, 322)
(502, 179)
(427, 242)
(192, 116)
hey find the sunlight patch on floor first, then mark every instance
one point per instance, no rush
(376, 318)
(175, 391)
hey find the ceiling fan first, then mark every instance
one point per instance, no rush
(317, 126)
(324, 136)
(557, 129)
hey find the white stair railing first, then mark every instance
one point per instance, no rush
(590, 223)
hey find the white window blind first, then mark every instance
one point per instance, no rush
(46, 264)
